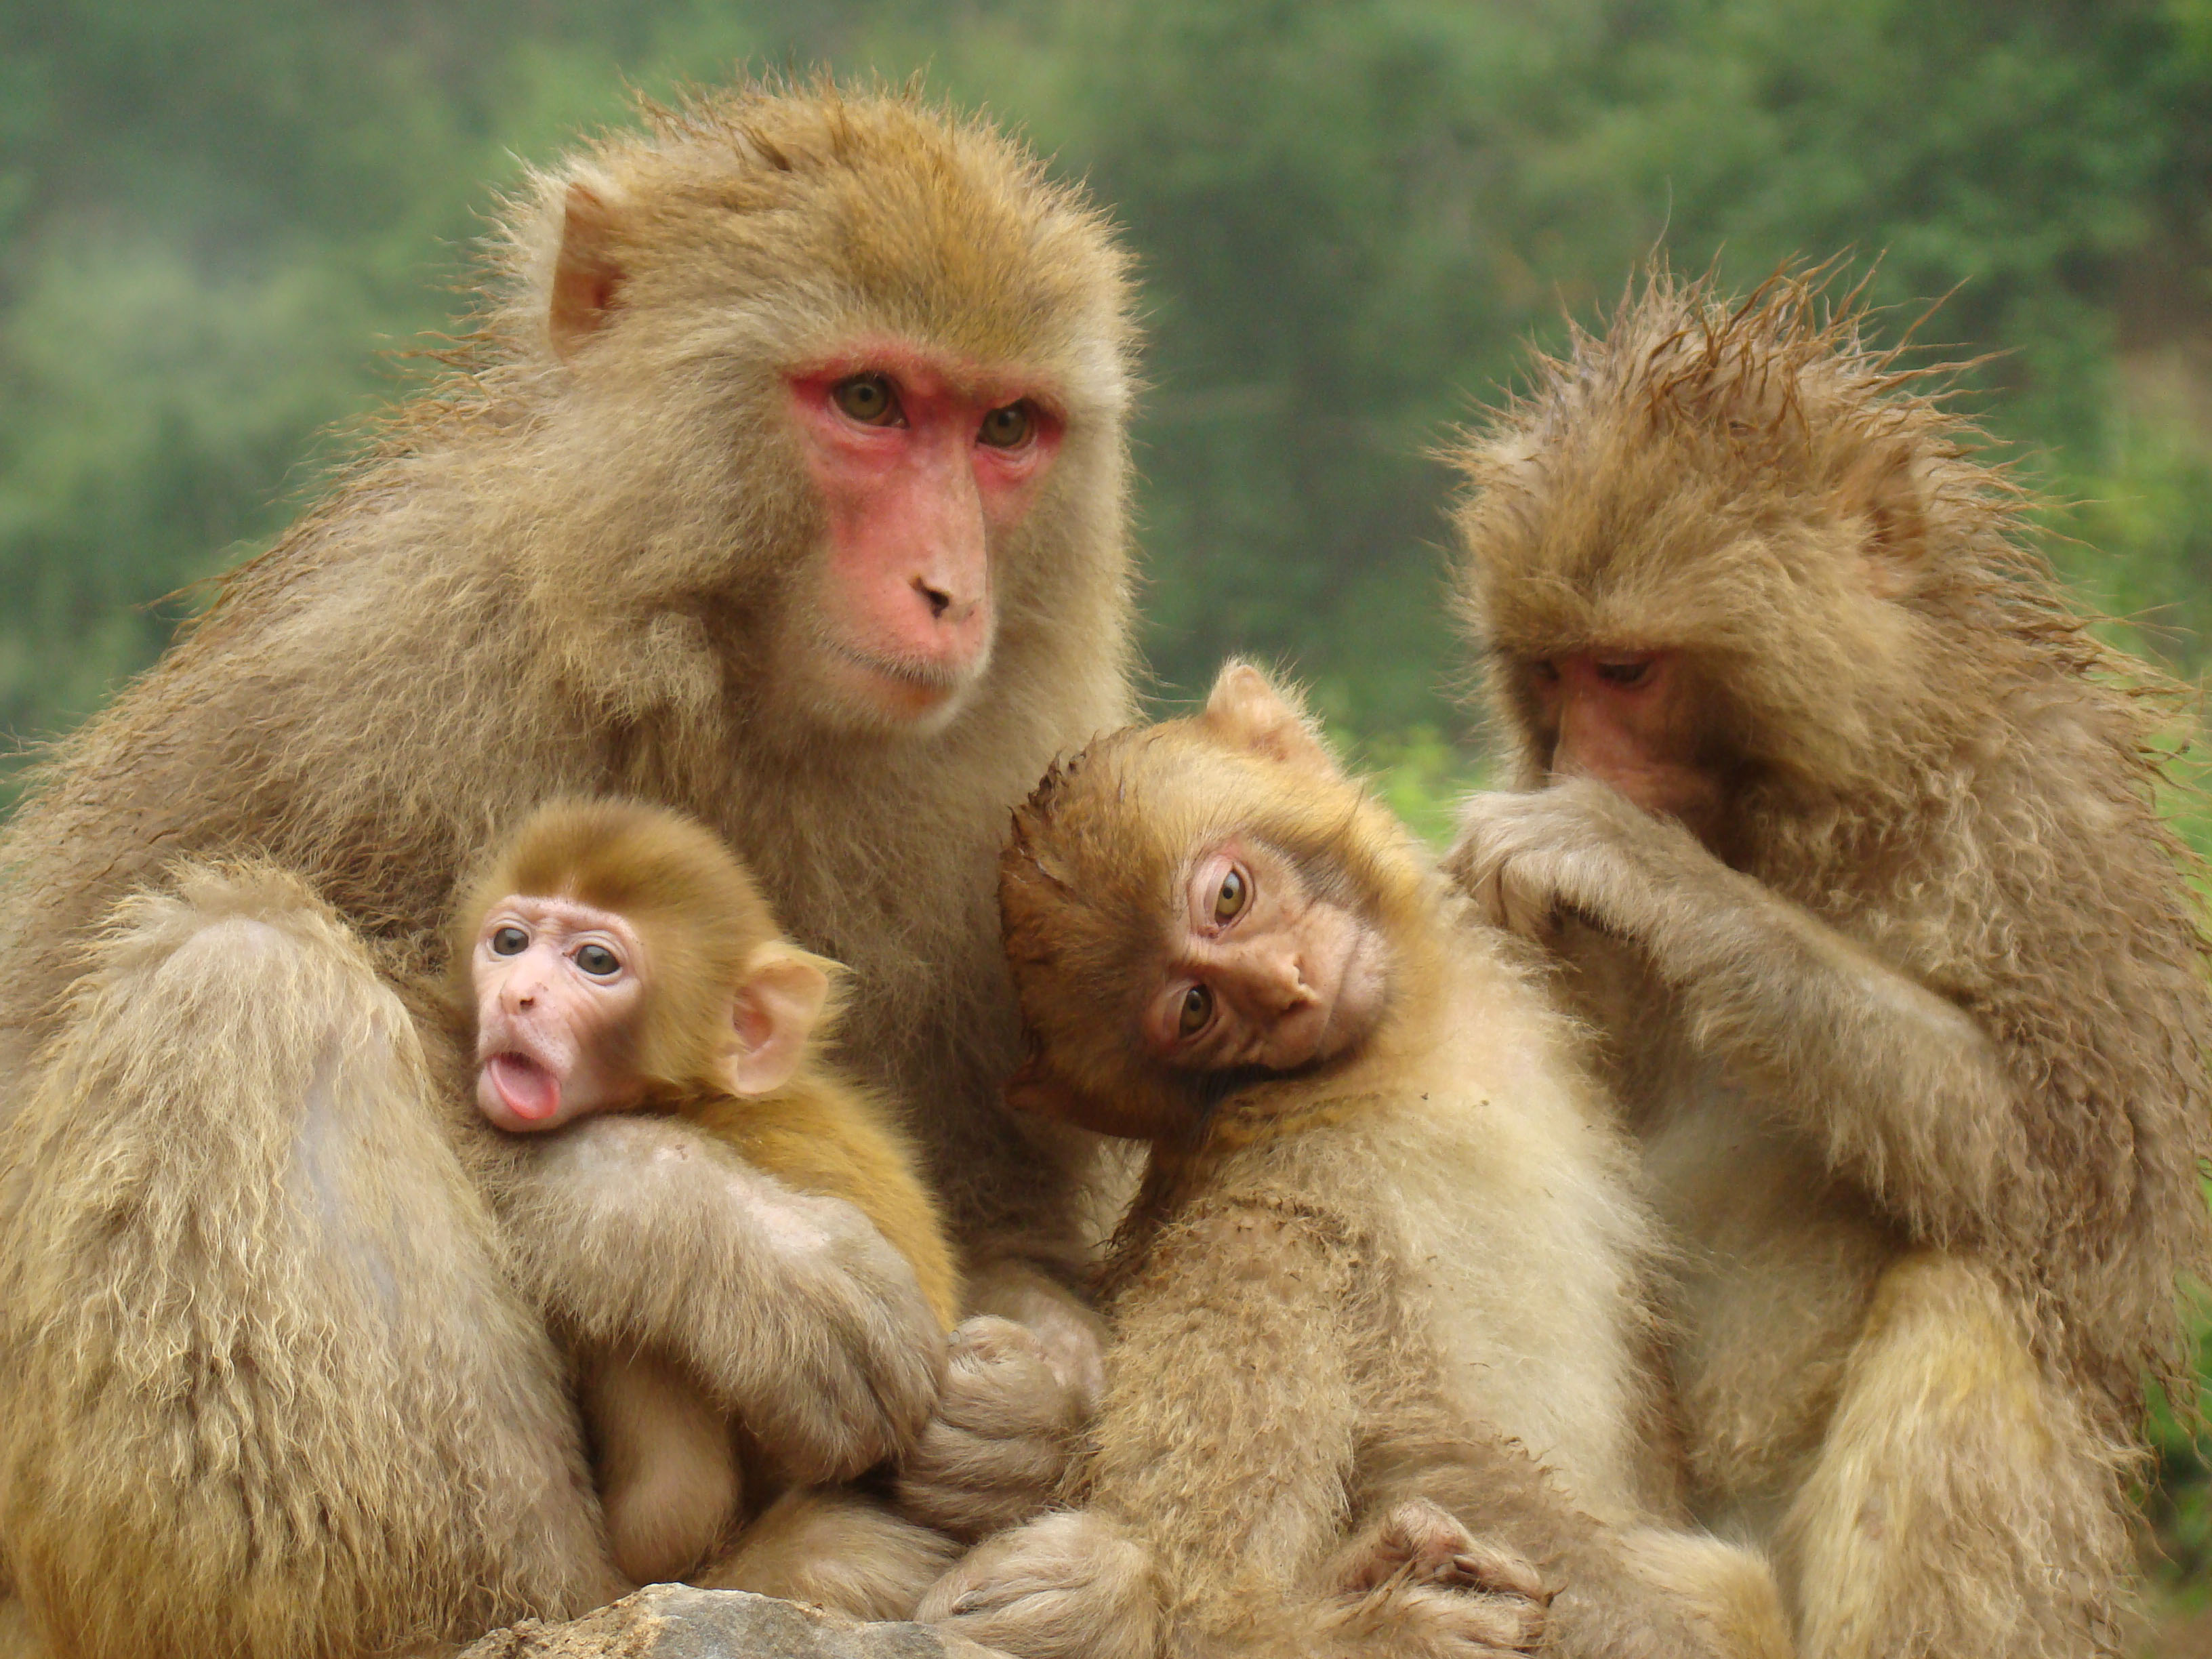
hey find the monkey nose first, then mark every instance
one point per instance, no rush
(943, 606)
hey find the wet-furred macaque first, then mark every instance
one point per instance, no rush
(1845, 828)
(783, 485)
(615, 958)
(1377, 1382)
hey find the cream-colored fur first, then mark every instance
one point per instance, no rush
(277, 1381)
(1379, 1370)
(1917, 1046)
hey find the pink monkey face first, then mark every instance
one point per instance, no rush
(560, 987)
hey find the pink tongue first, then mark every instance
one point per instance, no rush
(529, 1089)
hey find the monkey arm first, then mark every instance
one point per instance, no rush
(1222, 1450)
(1228, 1434)
(793, 1311)
(1900, 1087)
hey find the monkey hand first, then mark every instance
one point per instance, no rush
(1529, 859)
(1069, 1585)
(1006, 1426)
(792, 1309)
(1418, 1565)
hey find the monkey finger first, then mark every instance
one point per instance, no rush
(1476, 1626)
(1496, 1571)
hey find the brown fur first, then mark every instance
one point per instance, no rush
(668, 1471)
(704, 922)
(1922, 1075)
(241, 1421)
(1378, 1324)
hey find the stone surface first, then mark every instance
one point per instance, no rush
(674, 1621)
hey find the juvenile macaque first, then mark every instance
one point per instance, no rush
(782, 484)
(615, 958)
(1844, 826)
(1376, 1385)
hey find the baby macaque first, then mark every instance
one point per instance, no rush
(618, 958)
(1378, 1381)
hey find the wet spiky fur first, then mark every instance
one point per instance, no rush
(1930, 754)
(555, 574)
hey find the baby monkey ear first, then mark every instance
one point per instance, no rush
(1246, 709)
(775, 1011)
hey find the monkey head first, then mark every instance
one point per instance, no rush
(1193, 903)
(616, 954)
(844, 379)
(1716, 558)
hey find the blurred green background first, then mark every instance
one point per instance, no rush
(222, 224)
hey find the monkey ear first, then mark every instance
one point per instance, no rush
(586, 279)
(1246, 709)
(1884, 493)
(776, 1011)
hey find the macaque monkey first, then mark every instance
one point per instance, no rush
(615, 958)
(782, 484)
(1378, 1381)
(1844, 829)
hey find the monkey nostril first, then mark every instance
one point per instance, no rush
(938, 600)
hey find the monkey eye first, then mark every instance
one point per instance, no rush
(1234, 893)
(597, 961)
(1546, 669)
(1197, 1009)
(509, 942)
(868, 398)
(1008, 427)
(1630, 672)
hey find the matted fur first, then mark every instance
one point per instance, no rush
(558, 576)
(1934, 762)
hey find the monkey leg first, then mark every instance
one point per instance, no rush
(1960, 1503)
(270, 1393)
(669, 1484)
(838, 1548)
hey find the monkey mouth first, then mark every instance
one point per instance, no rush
(906, 691)
(525, 1087)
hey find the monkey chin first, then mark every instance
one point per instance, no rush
(863, 693)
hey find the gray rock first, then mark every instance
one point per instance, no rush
(674, 1621)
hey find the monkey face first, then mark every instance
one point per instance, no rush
(1635, 720)
(1261, 969)
(559, 985)
(924, 463)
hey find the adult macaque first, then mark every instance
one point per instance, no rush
(615, 958)
(786, 489)
(1845, 827)
(1376, 1386)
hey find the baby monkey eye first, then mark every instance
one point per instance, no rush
(1197, 1009)
(597, 961)
(1008, 427)
(509, 942)
(1625, 673)
(1228, 904)
(868, 398)
(1546, 671)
